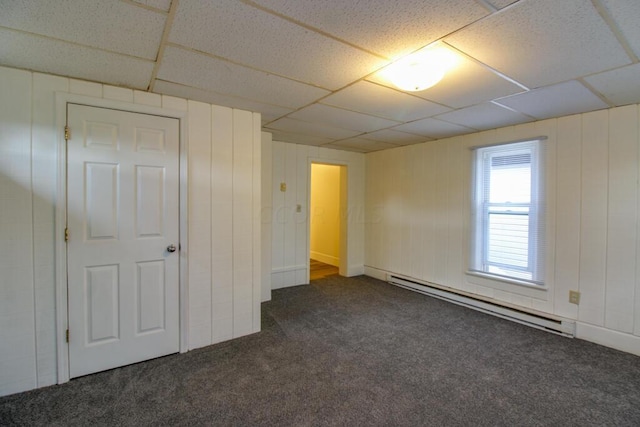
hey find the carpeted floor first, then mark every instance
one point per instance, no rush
(357, 352)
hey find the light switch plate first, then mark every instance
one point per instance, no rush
(574, 297)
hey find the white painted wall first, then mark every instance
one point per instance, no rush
(224, 273)
(290, 230)
(418, 219)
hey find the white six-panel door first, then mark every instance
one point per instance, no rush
(122, 218)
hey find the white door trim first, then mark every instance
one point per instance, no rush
(344, 208)
(62, 99)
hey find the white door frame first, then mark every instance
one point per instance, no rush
(344, 213)
(62, 99)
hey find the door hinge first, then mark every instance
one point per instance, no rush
(67, 335)
(66, 234)
(67, 133)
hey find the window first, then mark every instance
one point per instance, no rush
(508, 211)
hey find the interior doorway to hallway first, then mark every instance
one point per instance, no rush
(327, 221)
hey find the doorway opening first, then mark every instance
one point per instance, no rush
(327, 220)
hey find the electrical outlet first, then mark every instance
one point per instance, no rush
(574, 297)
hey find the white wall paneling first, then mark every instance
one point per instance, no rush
(221, 217)
(592, 219)
(290, 229)
(622, 219)
(17, 300)
(266, 214)
(200, 224)
(224, 172)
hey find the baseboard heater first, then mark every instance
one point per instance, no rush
(540, 321)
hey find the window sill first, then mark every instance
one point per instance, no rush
(505, 284)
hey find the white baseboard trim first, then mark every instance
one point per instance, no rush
(355, 270)
(327, 259)
(608, 338)
(375, 273)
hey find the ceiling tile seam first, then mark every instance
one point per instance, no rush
(578, 79)
(312, 28)
(168, 23)
(613, 26)
(213, 92)
(362, 137)
(365, 113)
(41, 36)
(242, 64)
(484, 3)
(323, 124)
(488, 67)
(145, 6)
(412, 94)
(455, 124)
(506, 107)
(596, 92)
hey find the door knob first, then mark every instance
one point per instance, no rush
(171, 248)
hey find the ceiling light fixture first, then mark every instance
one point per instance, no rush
(420, 70)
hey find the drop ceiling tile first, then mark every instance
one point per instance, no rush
(433, 128)
(370, 98)
(467, 83)
(361, 145)
(22, 50)
(621, 86)
(555, 101)
(295, 138)
(236, 31)
(542, 42)
(268, 112)
(215, 75)
(112, 25)
(395, 137)
(390, 28)
(312, 129)
(340, 118)
(485, 116)
(627, 16)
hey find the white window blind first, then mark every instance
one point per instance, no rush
(508, 211)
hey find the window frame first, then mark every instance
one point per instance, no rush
(481, 211)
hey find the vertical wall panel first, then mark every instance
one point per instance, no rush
(199, 224)
(548, 128)
(256, 233)
(622, 218)
(414, 169)
(454, 256)
(288, 213)
(441, 212)
(17, 323)
(44, 156)
(266, 213)
(567, 267)
(300, 218)
(242, 222)
(278, 217)
(593, 227)
(221, 220)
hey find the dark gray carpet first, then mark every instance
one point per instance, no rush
(357, 352)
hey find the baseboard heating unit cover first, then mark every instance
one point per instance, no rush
(538, 320)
